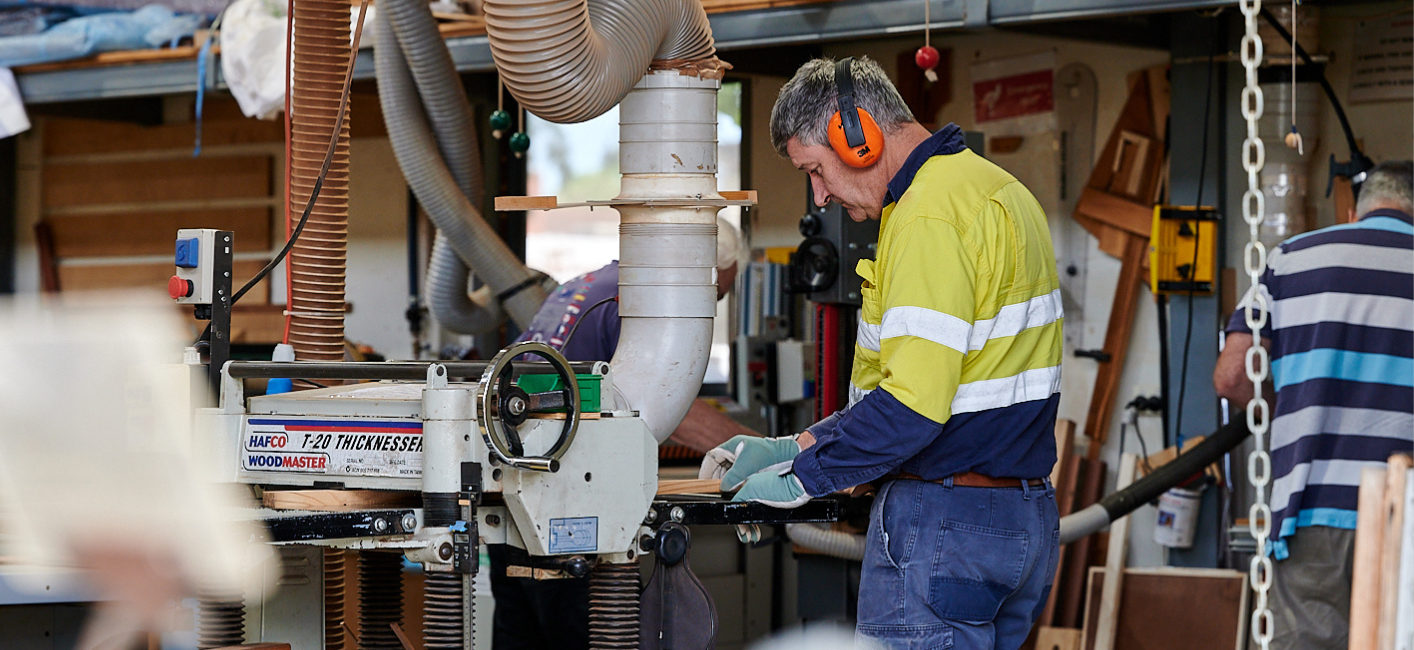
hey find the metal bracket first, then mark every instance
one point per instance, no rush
(721, 512)
(341, 525)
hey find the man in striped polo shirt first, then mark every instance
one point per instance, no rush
(1341, 339)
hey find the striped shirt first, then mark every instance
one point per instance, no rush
(957, 360)
(1342, 347)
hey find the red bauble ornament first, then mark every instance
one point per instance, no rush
(926, 57)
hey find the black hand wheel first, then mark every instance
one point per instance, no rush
(501, 406)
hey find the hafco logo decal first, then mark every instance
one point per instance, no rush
(266, 441)
(287, 462)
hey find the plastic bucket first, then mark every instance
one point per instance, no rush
(1178, 518)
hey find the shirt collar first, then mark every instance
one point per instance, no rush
(1395, 214)
(947, 141)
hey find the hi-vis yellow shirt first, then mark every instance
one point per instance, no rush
(957, 360)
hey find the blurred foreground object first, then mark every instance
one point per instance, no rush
(97, 464)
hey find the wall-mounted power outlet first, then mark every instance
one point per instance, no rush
(1146, 403)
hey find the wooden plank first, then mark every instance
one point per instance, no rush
(92, 277)
(690, 486)
(1392, 511)
(402, 637)
(1070, 603)
(1113, 241)
(1137, 117)
(153, 233)
(156, 180)
(1065, 444)
(338, 500)
(1404, 624)
(561, 416)
(509, 203)
(72, 137)
(1094, 584)
(1159, 459)
(48, 261)
(1121, 323)
(121, 57)
(1108, 623)
(1063, 478)
(1177, 609)
(1057, 638)
(1129, 163)
(739, 195)
(1365, 589)
(1116, 211)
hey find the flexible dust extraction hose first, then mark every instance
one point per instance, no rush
(451, 117)
(451, 211)
(1121, 503)
(447, 297)
(817, 537)
(572, 60)
(317, 260)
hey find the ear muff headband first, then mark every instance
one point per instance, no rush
(852, 132)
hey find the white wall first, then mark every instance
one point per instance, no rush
(377, 264)
(1385, 129)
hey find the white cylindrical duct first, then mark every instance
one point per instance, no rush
(667, 255)
(668, 125)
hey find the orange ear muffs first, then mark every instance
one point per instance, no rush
(852, 132)
(863, 155)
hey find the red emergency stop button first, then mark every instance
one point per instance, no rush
(180, 288)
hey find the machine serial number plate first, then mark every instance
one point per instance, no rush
(575, 535)
(391, 448)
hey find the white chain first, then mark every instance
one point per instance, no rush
(1259, 463)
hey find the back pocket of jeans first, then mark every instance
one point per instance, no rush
(974, 571)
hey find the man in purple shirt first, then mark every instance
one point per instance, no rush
(554, 614)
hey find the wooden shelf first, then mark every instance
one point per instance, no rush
(729, 198)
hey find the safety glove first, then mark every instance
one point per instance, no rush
(736, 459)
(778, 488)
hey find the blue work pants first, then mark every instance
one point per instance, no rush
(957, 567)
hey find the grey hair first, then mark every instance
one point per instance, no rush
(806, 103)
(1388, 183)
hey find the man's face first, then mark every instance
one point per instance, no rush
(858, 191)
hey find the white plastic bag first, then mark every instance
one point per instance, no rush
(253, 56)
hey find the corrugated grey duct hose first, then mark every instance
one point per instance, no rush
(444, 187)
(572, 60)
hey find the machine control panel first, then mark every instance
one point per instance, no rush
(195, 259)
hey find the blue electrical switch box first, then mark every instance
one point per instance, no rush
(188, 253)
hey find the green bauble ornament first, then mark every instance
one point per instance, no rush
(520, 142)
(500, 121)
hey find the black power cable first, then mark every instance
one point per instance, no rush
(1193, 267)
(323, 171)
(565, 346)
(1359, 162)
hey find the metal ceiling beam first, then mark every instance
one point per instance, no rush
(812, 23)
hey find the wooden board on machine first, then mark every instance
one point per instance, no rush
(338, 500)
